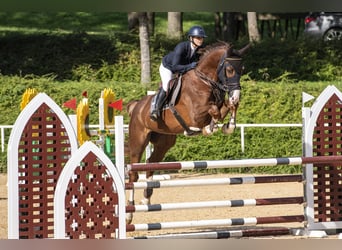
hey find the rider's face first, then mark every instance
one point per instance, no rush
(198, 41)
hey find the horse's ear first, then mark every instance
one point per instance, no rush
(242, 51)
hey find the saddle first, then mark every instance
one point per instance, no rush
(173, 91)
(172, 95)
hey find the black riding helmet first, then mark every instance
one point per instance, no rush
(196, 31)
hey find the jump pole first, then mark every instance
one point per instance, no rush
(214, 181)
(252, 221)
(222, 234)
(191, 165)
(214, 204)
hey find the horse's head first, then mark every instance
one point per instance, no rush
(221, 63)
(229, 72)
(230, 68)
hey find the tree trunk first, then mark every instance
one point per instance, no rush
(174, 25)
(144, 48)
(229, 26)
(253, 31)
(133, 21)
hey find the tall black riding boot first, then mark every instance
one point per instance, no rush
(157, 104)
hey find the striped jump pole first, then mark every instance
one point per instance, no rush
(215, 181)
(222, 234)
(191, 165)
(214, 204)
(252, 221)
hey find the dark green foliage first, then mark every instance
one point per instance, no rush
(290, 61)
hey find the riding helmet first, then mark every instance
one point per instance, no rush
(197, 31)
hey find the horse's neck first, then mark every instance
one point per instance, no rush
(210, 63)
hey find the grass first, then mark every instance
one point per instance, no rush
(62, 22)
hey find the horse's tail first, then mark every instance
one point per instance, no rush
(130, 106)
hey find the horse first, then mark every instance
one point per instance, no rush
(199, 106)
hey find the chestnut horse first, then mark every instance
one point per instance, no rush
(200, 105)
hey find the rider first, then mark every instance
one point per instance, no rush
(183, 58)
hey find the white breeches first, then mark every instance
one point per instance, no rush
(165, 75)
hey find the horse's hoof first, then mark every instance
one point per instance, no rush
(145, 201)
(215, 128)
(228, 128)
(193, 131)
(129, 218)
(207, 130)
(210, 129)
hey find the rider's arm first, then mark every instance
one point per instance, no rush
(181, 61)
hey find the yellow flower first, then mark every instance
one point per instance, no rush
(82, 112)
(27, 97)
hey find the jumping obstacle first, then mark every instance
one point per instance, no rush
(322, 164)
(96, 187)
(252, 221)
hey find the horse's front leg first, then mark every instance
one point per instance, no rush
(133, 177)
(148, 191)
(228, 128)
(215, 114)
(232, 103)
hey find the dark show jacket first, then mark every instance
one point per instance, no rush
(180, 59)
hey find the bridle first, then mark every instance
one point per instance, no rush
(224, 84)
(229, 83)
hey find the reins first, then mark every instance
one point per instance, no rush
(217, 91)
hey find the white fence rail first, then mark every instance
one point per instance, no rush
(242, 127)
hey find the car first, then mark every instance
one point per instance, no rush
(324, 25)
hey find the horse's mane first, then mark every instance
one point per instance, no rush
(209, 48)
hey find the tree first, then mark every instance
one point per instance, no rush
(226, 25)
(174, 25)
(133, 21)
(229, 26)
(144, 48)
(253, 31)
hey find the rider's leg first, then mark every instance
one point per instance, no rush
(159, 98)
(157, 103)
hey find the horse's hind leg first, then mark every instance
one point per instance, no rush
(137, 144)
(161, 144)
